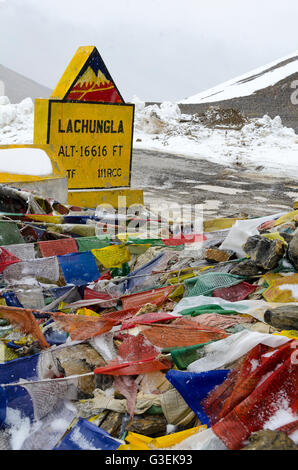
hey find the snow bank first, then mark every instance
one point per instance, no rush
(155, 119)
(19, 428)
(25, 161)
(16, 121)
(262, 144)
(16, 127)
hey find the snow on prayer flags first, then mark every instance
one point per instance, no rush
(25, 368)
(138, 356)
(43, 268)
(36, 401)
(282, 289)
(23, 251)
(86, 436)
(264, 382)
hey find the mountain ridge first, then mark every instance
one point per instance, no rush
(275, 99)
(17, 86)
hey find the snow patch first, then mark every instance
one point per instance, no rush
(19, 428)
(283, 415)
(25, 161)
(78, 438)
(59, 425)
(16, 121)
(254, 363)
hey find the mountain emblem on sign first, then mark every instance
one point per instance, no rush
(92, 87)
(87, 79)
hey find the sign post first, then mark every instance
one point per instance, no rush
(91, 129)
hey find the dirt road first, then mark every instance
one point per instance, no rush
(222, 191)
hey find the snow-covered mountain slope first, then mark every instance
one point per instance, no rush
(249, 83)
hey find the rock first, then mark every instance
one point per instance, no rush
(270, 440)
(90, 407)
(146, 309)
(195, 422)
(155, 425)
(168, 306)
(86, 384)
(112, 423)
(283, 318)
(260, 327)
(246, 268)
(288, 237)
(80, 359)
(215, 254)
(103, 382)
(265, 253)
(293, 250)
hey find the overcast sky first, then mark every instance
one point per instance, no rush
(154, 49)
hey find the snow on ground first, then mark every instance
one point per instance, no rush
(16, 121)
(16, 127)
(25, 161)
(263, 142)
(248, 83)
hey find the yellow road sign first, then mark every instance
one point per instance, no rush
(90, 128)
(93, 141)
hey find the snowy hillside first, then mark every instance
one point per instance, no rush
(249, 83)
(260, 144)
